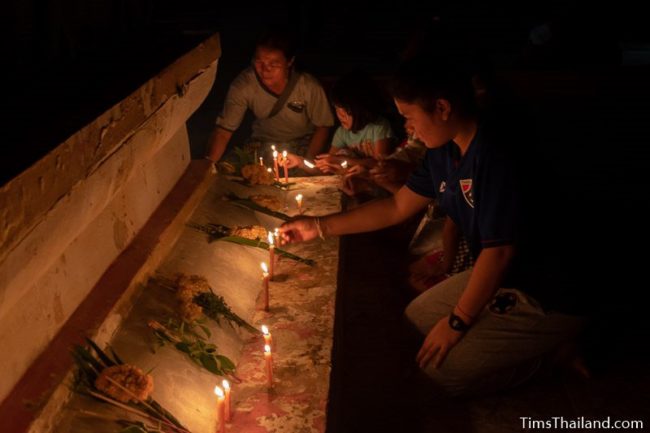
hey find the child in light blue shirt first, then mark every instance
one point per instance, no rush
(364, 135)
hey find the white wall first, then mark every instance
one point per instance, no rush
(64, 220)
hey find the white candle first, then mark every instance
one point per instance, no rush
(268, 356)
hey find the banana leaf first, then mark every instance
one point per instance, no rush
(90, 365)
(249, 204)
(218, 232)
(280, 185)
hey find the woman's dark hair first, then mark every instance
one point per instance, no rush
(423, 80)
(360, 96)
(278, 40)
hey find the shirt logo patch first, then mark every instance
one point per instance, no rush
(297, 106)
(466, 188)
(443, 186)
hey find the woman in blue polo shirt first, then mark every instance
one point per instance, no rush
(497, 324)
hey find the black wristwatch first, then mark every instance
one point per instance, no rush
(457, 324)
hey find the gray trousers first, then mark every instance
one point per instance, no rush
(502, 349)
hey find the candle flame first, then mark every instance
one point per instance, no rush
(275, 154)
(265, 330)
(276, 232)
(344, 164)
(271, 241)
(264, 268)
(225, 384)
(267, 348)
(269, 170)
(273, 147)
(299, 197)
(218, 391)
(284, 153)
(308, 164)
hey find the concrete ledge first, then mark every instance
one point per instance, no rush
(111, 296)
(66, 219)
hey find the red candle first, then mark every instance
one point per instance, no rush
(226, 388)
(268, 339)
(284, 164)
(221, 417)
(275, 165)
(271, 255)
(265, 285)
(269, 364)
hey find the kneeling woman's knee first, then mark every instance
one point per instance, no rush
(453, 382)
(424, 316)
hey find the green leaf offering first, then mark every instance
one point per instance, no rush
(124, 386)
(217, 232)
(196, 296)
(249, 204)
(215, 307)
(202, 353)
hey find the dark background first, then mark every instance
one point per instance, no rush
(66, 61)
(583, 78)
(583, 81)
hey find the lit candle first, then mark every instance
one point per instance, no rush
(344, 168)
(261, 161)
(265, 285)
(226, 388)
(268, 339)
(308, 164)
(299, 201)
(221, 418)
(269, 364)
(275, 165)
(276, 234)
(271, 254)
(284, 164)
